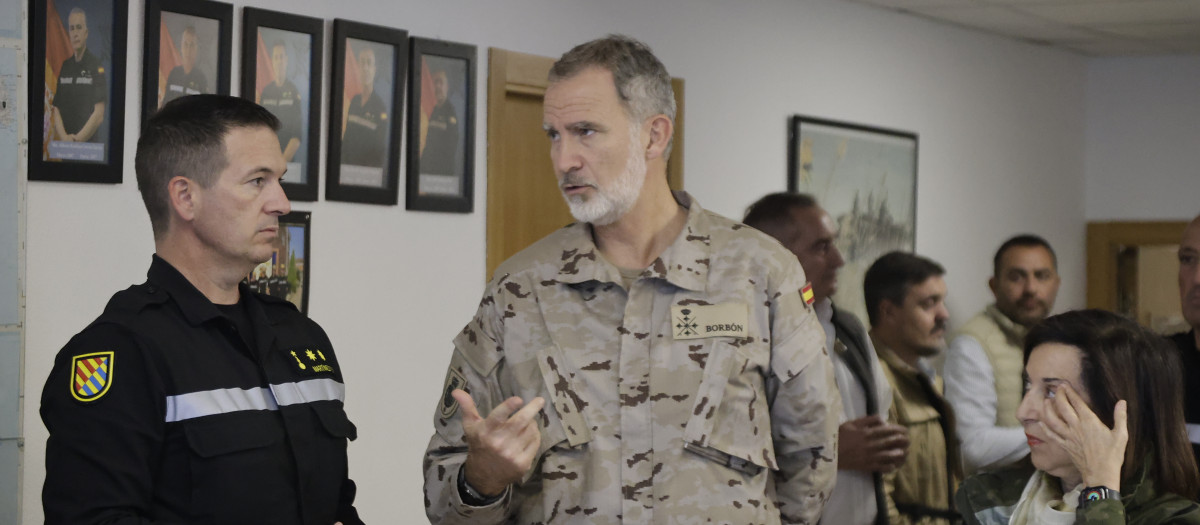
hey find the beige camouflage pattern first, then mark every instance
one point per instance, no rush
(640, 427)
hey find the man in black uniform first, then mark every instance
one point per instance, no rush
(1189, 302)
(366, 121)
(82, 90)
(185, 79)
(192, 399)
(283, 100)
(441, 139)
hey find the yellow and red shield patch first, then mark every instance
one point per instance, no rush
(807, 293)
(92, 377)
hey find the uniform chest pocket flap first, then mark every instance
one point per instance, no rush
(227, 434)
(731, 422)
(562, 421)
(335, 421)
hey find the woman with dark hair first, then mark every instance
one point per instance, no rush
(1103, 412)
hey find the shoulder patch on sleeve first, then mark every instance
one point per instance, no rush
(91, 375)
(454, 380)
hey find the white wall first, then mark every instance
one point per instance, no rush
(1001, 151)
(1143, 138)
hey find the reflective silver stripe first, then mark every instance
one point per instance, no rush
(227, 400)
(1193, 433)
(309, 391)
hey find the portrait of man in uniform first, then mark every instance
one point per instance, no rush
(443, 105)
(189, 58)
(367, 114)
(284, 56)
(80, 90)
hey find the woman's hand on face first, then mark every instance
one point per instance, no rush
(1096, 450)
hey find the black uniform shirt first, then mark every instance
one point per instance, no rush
(441, 142)
(159, 411)
(81, 85)
(181, 84)
(284, 102)
(366, 131)
(1186, 342)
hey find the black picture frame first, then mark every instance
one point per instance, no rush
(865, 177)
(262, 32)
(99, 158)
(429, 187)
(289, 267)
(352, 166)
(211, 22)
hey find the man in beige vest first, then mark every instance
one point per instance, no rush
(906, 302)
(984, 362)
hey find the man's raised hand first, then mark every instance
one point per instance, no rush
(501, 447)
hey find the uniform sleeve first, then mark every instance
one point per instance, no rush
(475, 367)
(103, 450)
(806, 408)
(971, 391)
(99, 91)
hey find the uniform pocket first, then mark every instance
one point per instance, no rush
(562, 422)
(335, 421)
(731, 422)
(234, 459)
(221, 435)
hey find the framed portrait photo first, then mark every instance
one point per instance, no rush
(366, 109)
(441, 127)
(188, 51)
(285, 275)
(281, 70)
(77, 90)
(866, 178)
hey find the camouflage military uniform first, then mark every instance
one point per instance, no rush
(989, 499)
(700, 395)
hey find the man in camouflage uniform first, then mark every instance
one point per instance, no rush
(651, 363)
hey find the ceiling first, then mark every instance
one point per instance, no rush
(1090, 27)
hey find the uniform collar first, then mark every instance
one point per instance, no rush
(684, 263)
(196, 308)
(900, 366)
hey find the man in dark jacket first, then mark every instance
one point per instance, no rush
(1189, 302)
(193, 399)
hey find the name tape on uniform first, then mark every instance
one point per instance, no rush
(709, 320)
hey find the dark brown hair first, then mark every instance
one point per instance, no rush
(892, 275)
(1123, 360)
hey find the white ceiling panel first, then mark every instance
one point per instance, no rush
(1091, 27)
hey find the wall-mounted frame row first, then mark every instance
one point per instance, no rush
(78, 125)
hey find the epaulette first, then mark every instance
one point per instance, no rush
(136, 298)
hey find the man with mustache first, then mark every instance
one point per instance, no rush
(653, 363)
(906, 302)
(1189, 302)
(193, 399)
(985, 361)
(868, 445)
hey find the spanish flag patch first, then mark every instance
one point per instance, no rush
(806, 293)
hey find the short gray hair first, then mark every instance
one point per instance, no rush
(642, 82)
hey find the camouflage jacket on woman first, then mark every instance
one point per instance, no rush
(989, 499)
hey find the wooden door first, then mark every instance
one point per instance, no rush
(1108, 243)
(523, 201)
